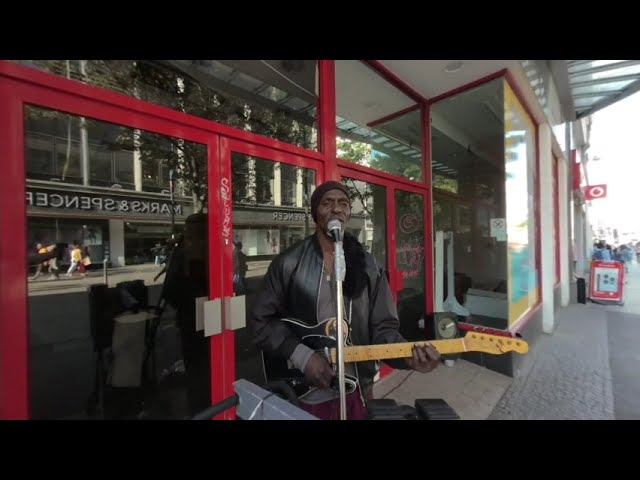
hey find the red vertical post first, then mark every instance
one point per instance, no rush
(14, 325)
(327, 130)
(223, 360)
(395, 277)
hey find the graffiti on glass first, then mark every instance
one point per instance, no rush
(226, 208)
(411, 257)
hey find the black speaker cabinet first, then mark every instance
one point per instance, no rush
(581, 286)
(442, 326)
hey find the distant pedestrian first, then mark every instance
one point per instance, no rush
(601, 253)
(239, 269)
(40, 249)
(76, 258)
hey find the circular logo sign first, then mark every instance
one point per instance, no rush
(596, 192)
(408, 223)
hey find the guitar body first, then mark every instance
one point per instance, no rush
(321, 338)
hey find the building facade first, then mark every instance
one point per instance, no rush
(117, 156)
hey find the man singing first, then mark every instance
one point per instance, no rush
(299, 284)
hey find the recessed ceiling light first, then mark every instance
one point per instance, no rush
(454, 66)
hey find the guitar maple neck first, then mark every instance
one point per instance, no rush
(397, 350)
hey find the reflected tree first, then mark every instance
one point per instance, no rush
(162, 85)
(445, 184)
(358, 153)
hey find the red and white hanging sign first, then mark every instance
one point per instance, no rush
(593, 192)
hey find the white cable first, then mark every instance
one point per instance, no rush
(255, 410)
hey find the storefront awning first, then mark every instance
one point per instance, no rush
(596, 84)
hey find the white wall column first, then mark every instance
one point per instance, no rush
(137, 161)
(299, 189)
(546, 226)
(588, 240)
(116, 243)
(579, 227)
(565, 243)
(277, 184)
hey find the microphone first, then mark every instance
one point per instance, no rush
(334, 229)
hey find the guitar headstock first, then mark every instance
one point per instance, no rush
(494, 344)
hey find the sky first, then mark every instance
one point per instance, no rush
(615, 139)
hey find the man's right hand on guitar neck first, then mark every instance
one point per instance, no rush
(318, 372)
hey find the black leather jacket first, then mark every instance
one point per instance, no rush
(291, 291)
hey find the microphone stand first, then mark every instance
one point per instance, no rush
(340, 272)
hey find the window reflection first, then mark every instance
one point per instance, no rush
(410, 258)
(98, 196)
(273, 98)
(40, 156)
(67, 155)
(521, 178)
(442, 213)
(467, 139)
(271, 212)
(378, 125)
(289, 185)
(369, 217)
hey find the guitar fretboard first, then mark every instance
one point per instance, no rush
(397, 350)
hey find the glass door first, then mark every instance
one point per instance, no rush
(265, 209)
(112, 218)
(113, 317)
(389, 220)
(410, 258)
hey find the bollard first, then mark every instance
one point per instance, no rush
(581, 287)
(105, 272)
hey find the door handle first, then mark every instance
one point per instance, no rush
(212, 317)
(235, 312)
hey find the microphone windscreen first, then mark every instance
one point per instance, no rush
(334, 225)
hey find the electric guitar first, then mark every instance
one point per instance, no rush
(321, 338)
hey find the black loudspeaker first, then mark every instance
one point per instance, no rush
(442, 326)
(581, 285)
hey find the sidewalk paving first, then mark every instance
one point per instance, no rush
(44, 285)
(586, 370)
(567, 375)
(471, 390)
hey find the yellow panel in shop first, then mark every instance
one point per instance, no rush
(512, 108)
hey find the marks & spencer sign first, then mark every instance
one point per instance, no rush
(107, 205)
